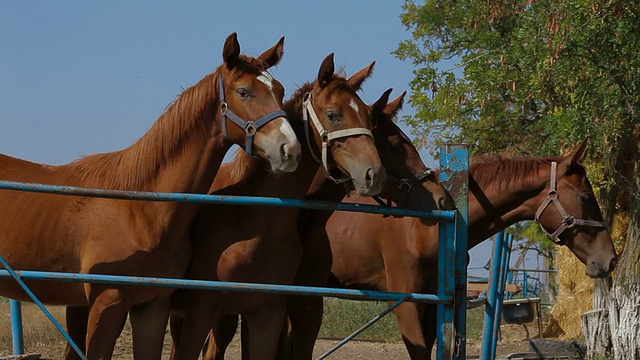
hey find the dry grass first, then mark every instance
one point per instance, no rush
(341, 318)
(38, 330)
(575, 297)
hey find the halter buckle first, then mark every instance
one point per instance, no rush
(250, 128)
(569, 221)
(405, 183)
(324, 136)
(223, 107)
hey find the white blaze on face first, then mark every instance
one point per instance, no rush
(287, 130)
(266, 79)
(353, 105)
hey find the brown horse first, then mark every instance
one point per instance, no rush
(410, 183)
(390, 254)
(180, 153)
(259, 244)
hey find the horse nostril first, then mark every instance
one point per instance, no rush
(446, 202)
(613, 263)
(283, 152)
(442, 203)
(369, 176)
(290, 150)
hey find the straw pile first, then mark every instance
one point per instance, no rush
(575, 296)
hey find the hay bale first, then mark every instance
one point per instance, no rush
(575, 297)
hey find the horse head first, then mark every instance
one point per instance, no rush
(410, 183)
(571, 216)
(342, 136)
(251, 106)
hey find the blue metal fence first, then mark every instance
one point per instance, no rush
(450, 298)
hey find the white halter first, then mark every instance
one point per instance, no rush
(568, 221)
(326, 136)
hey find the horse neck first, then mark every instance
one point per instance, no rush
(179, 153)
(512, 196)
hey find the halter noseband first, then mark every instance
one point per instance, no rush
(568, 221)
(326, 136)
(250, 127)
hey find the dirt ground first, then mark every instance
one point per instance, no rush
(43, 339)
(353, 350)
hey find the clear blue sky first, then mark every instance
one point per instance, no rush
(78, 78)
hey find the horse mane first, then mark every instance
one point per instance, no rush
(293, 106)
(178, 128)
(242, 166)
(492, 171)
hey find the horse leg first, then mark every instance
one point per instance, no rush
(198, 321)
(148, 324)
(175, 327)
(285, 346)
(244, 338)
(429, 317)
(263, 327)
(76, 318)
(220, 337)
(107, 313)
(305, 316)
(408, 317)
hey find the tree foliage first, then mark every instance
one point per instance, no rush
(532, 78)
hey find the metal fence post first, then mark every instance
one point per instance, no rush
(490, 307)
(504, 267)
(16, 327)
(454, 175)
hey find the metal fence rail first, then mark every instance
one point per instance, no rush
(365, 295)
(221, 199)
(454, 164)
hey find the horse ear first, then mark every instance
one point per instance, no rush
(326, 70)
(579, 152)
(358, 78)
(272, 56)
(231, 51)
(394, 106)
(378, 108)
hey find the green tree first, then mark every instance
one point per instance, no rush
(533, 77)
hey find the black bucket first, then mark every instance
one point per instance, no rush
(517, 313)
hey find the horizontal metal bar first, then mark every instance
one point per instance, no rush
(551, 271)
(477, 302)
(368, 295)
(222, 199)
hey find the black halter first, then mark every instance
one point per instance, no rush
(405, 185)
(250, 127)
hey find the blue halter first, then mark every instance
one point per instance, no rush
(250, 127)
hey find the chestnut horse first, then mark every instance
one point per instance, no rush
(259, 244)
(391, 254)
(409, 183)
(180, 153)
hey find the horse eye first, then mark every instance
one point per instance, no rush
(586, 199)
(393, 146)
(243, 93)
(393, 149)
(332, 116)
